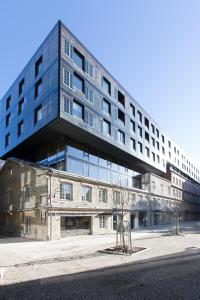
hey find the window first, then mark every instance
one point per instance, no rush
(140, 147)
(68, 49)
(78, 110)
(103, 195)
(121, 98)
(169, 144)
(21, 86)
(89, 94)
(86, 193)
(89, 118)
(7, 139)
(146, 136)
(103, 221)
(153, 156)
(20, 128)
(133, 145)
(140, 131)
(68, 106)
(146, 122)
(153, 141)
(78, 58)
(121, 136)
(157, 145)
(28, 225)
(78, 82)
(106, 127)
(20, 106)
(38, 88)
(116, 197)
(38, 114)
(89, 69)
(8, 102)
(27, 193)
(7, 120)
(38, 66)
(106, 85)
(67, 78)
(158, 159)
(132, 107)
(163, 139)
(139, 116)
(169, 154)
(106, 106)
(157, 133)
(132, 125)
(147, 151)
(163, 150)
(66, 191)
(153, 128)
(121, 116)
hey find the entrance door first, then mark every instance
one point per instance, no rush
(71, 226)
(142, 219)
(132, 221)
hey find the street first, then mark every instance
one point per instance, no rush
(175, 276)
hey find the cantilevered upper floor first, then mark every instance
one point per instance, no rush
(64, 90)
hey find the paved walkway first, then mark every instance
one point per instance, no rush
(22, 260)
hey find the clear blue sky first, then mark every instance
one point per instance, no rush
(151, 47)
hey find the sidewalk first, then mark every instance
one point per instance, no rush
(23, 260)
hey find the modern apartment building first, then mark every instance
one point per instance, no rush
(66, 112)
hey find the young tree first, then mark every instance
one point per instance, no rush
(176, 209)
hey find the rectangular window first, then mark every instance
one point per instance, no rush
(106, 127)
(102, 221)
(78, 110)
(133, 145)
(158, 159)
(157, 133)
(106, 85)
(153, 128)
(8, 102)
(89, 69)
(153, 156)
(106, 106)
(132, 107)
(28, 225)
(121, 136)
(78, 58)
(38, 88)
(139, 116)
(121, 98)
(20, 128)
(140, 147)
(68, 49)
(67, 78)
(89, 118)
(140, 131)
(116, 197)
(7, 120)
(163, 150)
(27, 193)
(86, 193)
(103, 195)
(89, 94)
(153, 141)
(121, 116)
(157, 145)
(38, 66)
(147, 151)
(78, 82)
(7, 139)
(68, 106)
(146, 136)
(38, 114)
(21, 86)
(146, 122)
(163, 139)
(132, 125)
(20, 106)
(66, 191)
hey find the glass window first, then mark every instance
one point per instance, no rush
(116, 197)
(146, 122)
(121, 116)
(132, 107)
(86, 193)
(78, 82)
(78, 110)
(106, 106)
(106, 85)
(20, 128)
(93, 171)
(103, 195)
(89, 68)
(106, 127)
(89, 94)
(67, 106)
(7, 139)
(8, 102)
(121, 136)
(103, 221)
(89, 118)
(38, 66)
(38, 88)
(132, 125)
(78, 58)
(66, 191)
(21, 86)
(140, 147)
(139, 116)
(133, 146)
(121, 98)
(75, 152)
(67, 78)
(68, 49)
(20, 106)
(38, 114)
(103, 174)
(153, 128)
(75, 166)
(140, 131)
(7, 120)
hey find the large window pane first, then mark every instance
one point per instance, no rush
(78, 110)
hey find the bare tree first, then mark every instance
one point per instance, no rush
(176, 210)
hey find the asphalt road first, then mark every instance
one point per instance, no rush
(170, 277)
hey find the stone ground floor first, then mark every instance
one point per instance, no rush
(24, 260)
(53, 224)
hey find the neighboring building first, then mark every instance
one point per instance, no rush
(65, 111)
